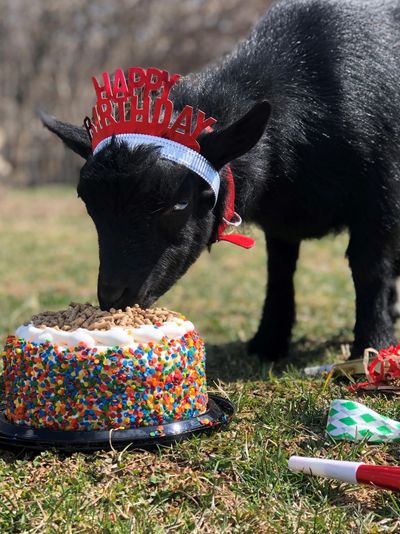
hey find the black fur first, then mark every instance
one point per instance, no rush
(329, 159)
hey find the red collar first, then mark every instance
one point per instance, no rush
(231, 218)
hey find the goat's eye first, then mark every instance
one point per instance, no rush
(180, 206)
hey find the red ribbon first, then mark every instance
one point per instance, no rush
(384, 368)
(230, 216)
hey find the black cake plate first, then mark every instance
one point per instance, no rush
(219, 413)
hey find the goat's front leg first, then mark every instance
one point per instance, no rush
(371, 264)
(273, 336)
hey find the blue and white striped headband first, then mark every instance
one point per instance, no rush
(172, 151)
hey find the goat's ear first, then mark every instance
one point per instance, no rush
(74, 137)
(221, 147)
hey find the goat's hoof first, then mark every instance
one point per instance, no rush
(253, 346)
(266, 353)
(358, 351)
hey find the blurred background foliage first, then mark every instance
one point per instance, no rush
(49, 49)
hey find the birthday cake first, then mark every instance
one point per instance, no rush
(88, 369)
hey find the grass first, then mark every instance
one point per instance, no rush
(233, 481)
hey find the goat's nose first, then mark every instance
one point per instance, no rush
(109, 294)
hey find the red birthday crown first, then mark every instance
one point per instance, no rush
(139, 103)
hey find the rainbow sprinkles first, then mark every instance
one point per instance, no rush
(155, 376)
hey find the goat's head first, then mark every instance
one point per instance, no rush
(153, 217)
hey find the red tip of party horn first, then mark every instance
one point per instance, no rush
(382, 476)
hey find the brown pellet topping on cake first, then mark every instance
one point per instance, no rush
(93, 318)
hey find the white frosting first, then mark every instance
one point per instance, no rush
(103, 339)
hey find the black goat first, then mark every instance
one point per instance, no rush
(328, 159)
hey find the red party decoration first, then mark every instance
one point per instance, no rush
(383, 369)
(139, 103)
